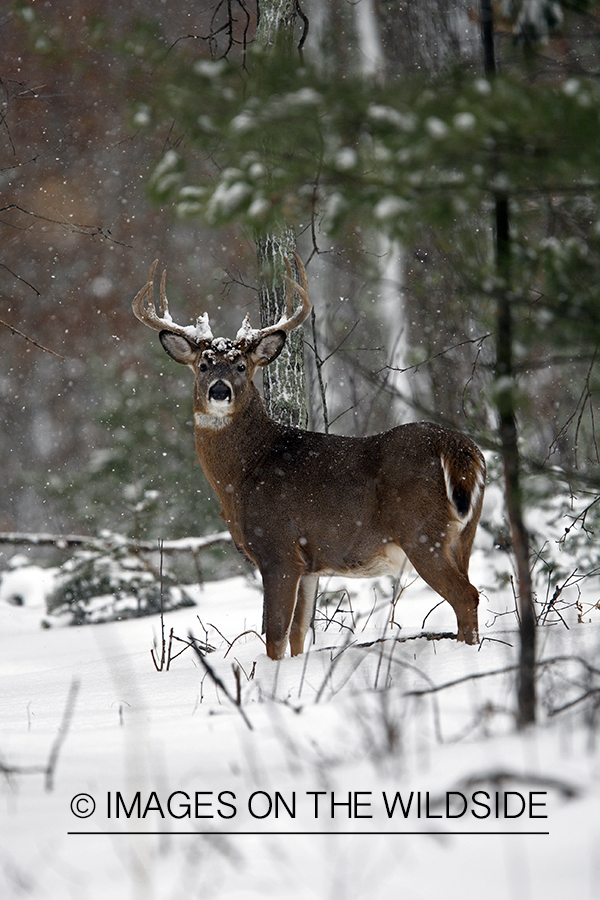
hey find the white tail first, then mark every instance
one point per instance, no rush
(301, 504)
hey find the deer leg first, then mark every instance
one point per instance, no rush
(465, 606)
(450, 583)
(305, 605)
(459, 549)
(280, 589)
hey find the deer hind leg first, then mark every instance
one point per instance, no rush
(280, 587)
(303, 614)
(444, 568)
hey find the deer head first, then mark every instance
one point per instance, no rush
(223, 368)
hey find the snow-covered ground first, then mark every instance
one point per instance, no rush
(347, 775)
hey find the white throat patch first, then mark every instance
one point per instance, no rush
(213, 423)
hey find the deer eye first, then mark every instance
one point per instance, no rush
(203, 367)
(241, 367)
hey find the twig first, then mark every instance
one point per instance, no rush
(417, 366)
(329, 619)
(220, 633)
(238, 684)
(582, 515)
(373, 608)
(62, 733)
(73, 227)
(20, 278)
(500, 777)
(160, 666)
(576, 416)
(206, 647)
(558, 709)
(329, 673)
(433, 609)
(448, 684)
(219, 683)
(243, 634)
(319, 366)
(30, 339)
(306, 655)
(477, 675)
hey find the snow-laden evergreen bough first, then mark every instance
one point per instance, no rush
(301, 504)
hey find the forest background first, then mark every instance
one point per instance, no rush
(129, 135)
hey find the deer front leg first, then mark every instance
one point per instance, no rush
(280, 590)
(305, 605)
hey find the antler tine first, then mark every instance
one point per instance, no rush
(290, 320)
(164, 305)
(143, 303)
(289, 288)
(145, 310)
(302, 291)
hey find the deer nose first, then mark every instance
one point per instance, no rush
(219, 391)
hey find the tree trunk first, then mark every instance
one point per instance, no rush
(284, 381)
(276, 22)
(509, 448)
(507, 424)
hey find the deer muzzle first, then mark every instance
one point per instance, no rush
(220, 392)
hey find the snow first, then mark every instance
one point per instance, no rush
(293, 800)
(228, 195)
(202, 330)
(246, 333)
(402, 121)
(390, 207)
(259, 208)
(436, 127)
(465, 121)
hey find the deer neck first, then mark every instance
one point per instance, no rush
(231, 447)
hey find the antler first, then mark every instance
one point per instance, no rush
(291, 319)
(145, 310)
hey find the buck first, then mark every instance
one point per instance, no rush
(302, 504)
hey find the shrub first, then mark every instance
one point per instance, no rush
(99, 586)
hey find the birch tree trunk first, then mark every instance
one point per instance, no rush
(276, 22)
(284, 381)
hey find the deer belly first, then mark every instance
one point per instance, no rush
(390, 561)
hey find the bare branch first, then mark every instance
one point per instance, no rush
(64, 541)
(581, 517)
(73, 227)
(20, 278)
(415, 368)
(30, 339)
(243, 634)
(305, 24)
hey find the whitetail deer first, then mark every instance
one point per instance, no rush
(301, 504)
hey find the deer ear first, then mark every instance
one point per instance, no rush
(268, 348)
(178, 348)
